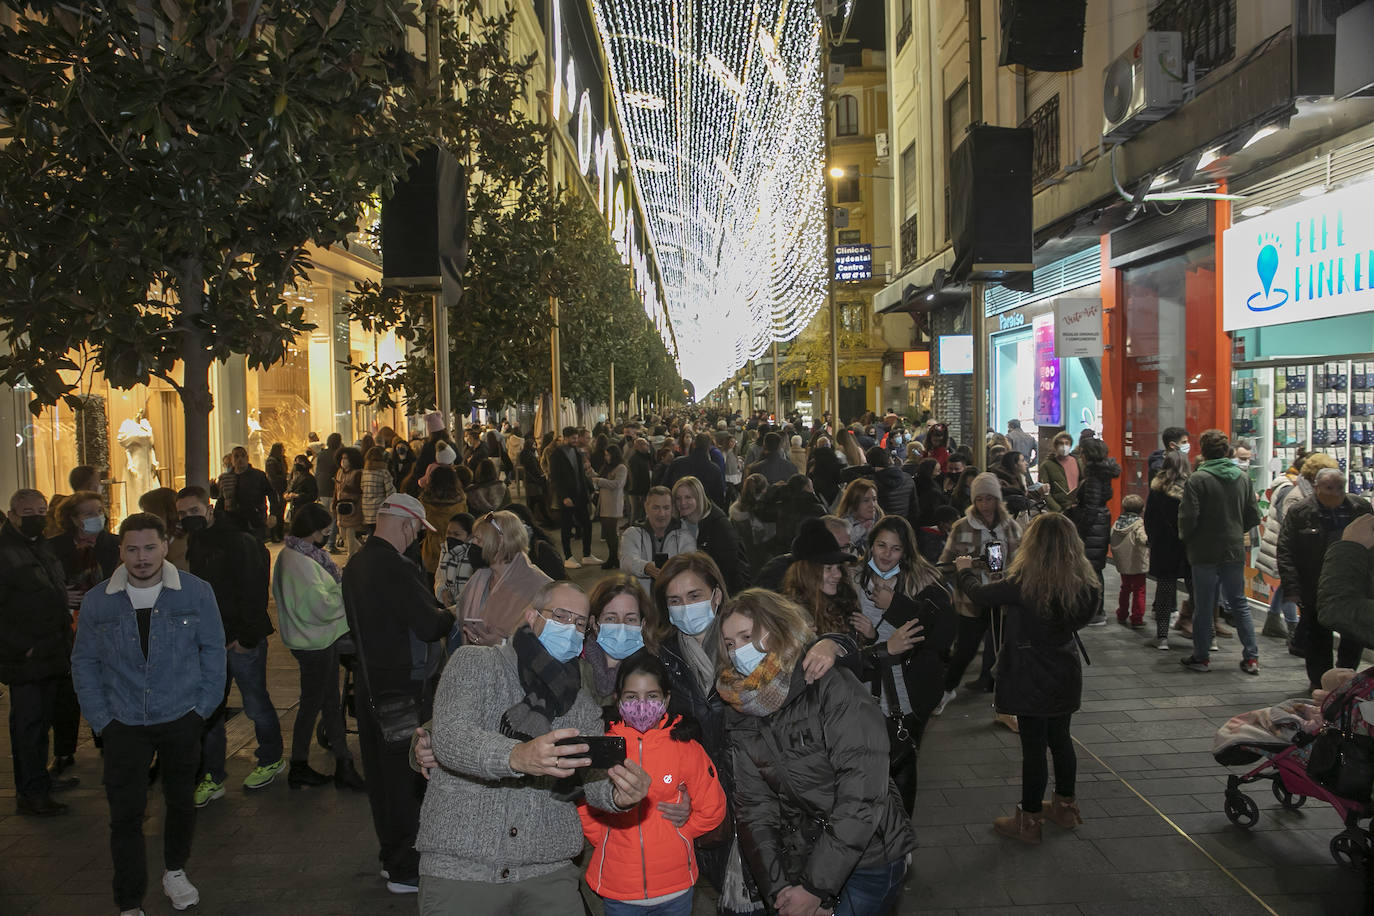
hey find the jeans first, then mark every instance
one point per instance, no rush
(1037, 734)
(678, 906)
(1277, 604)
(32, 708)
(575, 517)
(319, 697)
(129, 750)
(872, 891)
(249, 671)
(1224, 581)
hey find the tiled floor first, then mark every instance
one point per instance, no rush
(1154, 840)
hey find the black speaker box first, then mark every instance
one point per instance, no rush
(1043, 34)
(990, 200)
(424, 225)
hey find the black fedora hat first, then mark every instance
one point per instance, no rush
(814, 542)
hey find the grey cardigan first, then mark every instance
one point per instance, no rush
(481, 820)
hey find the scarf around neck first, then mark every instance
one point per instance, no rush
(603, 675)
(315, 553)
(550, 688)
(762, 693)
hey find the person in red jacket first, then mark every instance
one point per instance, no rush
(643, 861)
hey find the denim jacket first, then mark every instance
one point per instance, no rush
(185, 667)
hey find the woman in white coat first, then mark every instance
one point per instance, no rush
(610, 501)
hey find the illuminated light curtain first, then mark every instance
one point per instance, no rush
(720, 104)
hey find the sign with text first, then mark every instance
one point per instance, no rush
(1313, 259)
(1047, 399)
(1077, 328)
(916, 364)
(853, 262)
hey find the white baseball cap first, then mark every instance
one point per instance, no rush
(403, 505)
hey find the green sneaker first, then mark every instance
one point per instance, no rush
(208, 791)
(262, 776)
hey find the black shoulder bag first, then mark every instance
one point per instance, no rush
(1341, 760)
(397, 711)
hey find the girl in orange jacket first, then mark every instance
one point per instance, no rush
(643, 861)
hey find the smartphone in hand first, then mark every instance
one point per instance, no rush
(605, 751)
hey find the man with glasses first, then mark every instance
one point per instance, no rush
(499, 827)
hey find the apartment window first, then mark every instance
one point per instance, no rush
(909, 179)
(846, 116)
(849, 237)
(904, 27)
(956, 122)
(847, 188)
(853, 317)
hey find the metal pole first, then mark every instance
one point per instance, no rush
(610, 407)
(442, 400)
(555, 357)
(834, 390)
(978, 435)
(777, 385)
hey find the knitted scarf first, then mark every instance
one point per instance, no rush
(603, 675)
(762, 693)
(316, 553)
(550, 688)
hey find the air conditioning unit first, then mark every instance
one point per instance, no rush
(1143, 85)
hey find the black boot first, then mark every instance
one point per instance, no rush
(346, 776)
(301, 774)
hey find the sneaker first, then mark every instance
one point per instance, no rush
(1099, 621)
(179, 889)
(1161, 644)
(944, 701)
(589, 560)
(208, 791)
(1124, 621)
(570, 563)
(1196, 664)
(1249, 665)
(262, 776)
(1213, 647)
(403, 886)
(1137, 624)
(131, 913)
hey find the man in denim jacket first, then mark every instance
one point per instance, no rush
(149, 668)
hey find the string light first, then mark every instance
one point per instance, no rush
(729, 166)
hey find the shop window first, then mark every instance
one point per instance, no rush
(846, 116)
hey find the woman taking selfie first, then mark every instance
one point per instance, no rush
(820, 823)
(621, 615)
(1049, 594)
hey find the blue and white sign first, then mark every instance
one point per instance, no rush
(1313, 259)
(853, 262)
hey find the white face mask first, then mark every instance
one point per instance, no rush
(1064, 450)
(1185, 447)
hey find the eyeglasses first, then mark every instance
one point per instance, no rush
(563, 616)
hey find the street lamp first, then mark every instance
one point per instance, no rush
(838, 171)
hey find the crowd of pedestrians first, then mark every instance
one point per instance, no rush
(741, 697)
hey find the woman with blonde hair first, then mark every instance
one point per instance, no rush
(859, 508)
(820, 824)
(847, 447)
(492, 604)
(1050, 592)
(714, 533)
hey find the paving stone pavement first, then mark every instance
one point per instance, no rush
(1154, 840)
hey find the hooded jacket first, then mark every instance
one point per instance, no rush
(966, 539)
(639, 854)
(638, 546)
(1218, 507)
(1130, 546)
(1090, 513)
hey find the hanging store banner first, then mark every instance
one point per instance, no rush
(1312, 259)
(1047, 396)
(1077, 328)
(853, 262)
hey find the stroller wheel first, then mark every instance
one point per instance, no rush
(1241, 810)
(1349, 850)
(1287, 799)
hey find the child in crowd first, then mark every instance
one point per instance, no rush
(1131, 549)
(643, 861)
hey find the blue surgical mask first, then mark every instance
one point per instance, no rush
(885, 575)
(620, 640)
(746, 658)
(692, 618)
(561, 640)
(93, 525)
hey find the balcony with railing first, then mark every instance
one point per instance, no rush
(1044, 127)
(1208, 28)
(910, 239)
(904, 32)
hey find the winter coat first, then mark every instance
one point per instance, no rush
(276, 474)
(773, 465)
(797, 455)
(922, 669)
(813, 797)
(1303, 543)
(1282, 494)
(967, 538)
(716, 537)
(486, 497)
(237, 566)
(568, 476)
(610, 500)
(33, 610)
(1013, 491)
(437, 513)
(825, 474)
(1215, 513)
(641, 470)
(896, 493)
(1345, 594)
(348, 488)
(1060, 497)
(378, 484)
(1168, 559)
(638, 546)
(929, 496)
(1038, 669)
(1130, 545)
(639, 854)
(1090, 514)
(310, 608)
(756, 536)
(303, 485)
(699, 464)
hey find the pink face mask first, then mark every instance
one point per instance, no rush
(642, 715)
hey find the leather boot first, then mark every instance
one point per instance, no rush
(1293, 648)
(1009, 721)
(1063, 811)
(302, 774)
(346, 776)
(1273, 626)
(1021, 826)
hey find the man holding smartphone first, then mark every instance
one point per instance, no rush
(499, 827)
(646, 546)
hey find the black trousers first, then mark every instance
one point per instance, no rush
(33, 707)
(902, 761)
(610, 533)
(319, 696)
(67, 720)
(129, 750)
(1318, 644)
(394, 792)
(1037, 734)
(966, 643)
(572, 519)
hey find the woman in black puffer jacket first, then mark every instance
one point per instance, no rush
(1168, 559)
(1049, 593)
(1090, 514)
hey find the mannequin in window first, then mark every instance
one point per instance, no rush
(140, 468)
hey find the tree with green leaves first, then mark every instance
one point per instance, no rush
(165, 167)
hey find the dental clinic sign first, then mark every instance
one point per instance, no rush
(1313, 259)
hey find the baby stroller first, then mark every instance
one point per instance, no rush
(1325, 753)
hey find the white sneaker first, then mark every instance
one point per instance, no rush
(944, 700)
(591, 559)
(571, 563)
(131, 913)
(1163, 645)
(179, 889)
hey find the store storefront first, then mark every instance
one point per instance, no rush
(1044, 370)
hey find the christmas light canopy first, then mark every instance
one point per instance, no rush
(719, 104)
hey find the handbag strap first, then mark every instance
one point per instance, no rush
(362, 666)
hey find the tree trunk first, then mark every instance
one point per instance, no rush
(196, 402)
